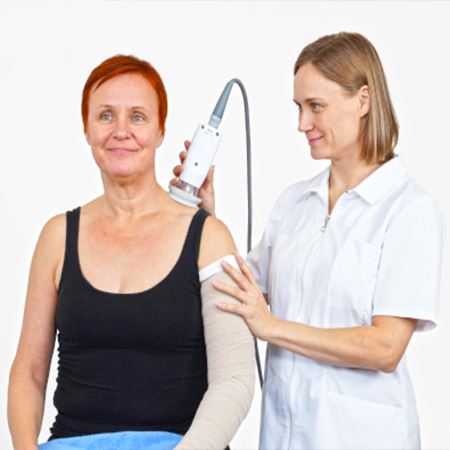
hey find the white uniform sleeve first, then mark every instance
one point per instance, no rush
(410, 266)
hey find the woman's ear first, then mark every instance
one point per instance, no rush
(364, 100)
(86, 135)
(160, 139)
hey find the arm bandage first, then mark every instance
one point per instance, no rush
(231, 371)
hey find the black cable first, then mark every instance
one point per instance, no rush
(249, 199)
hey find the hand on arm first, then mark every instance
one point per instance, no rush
(253, 304)
(29, 372)
(379, 346)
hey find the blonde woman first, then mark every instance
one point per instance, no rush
(349, 264)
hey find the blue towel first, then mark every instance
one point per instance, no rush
(122, 440)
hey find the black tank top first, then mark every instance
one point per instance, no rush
(129, 362)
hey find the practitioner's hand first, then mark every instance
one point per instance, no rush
(253, 307)
(206, 191)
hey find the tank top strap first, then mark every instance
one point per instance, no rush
(194, 235)
(72, 227)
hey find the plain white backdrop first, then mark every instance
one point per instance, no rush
(48, 48)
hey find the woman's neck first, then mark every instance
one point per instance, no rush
(345, 175)
(126, 199)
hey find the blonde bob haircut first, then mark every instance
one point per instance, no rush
(351, 61)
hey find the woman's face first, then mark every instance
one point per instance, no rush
(123, 126)
(328, 115)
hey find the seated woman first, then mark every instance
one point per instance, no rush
(125, 282)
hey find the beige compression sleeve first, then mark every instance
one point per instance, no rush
(231, 373)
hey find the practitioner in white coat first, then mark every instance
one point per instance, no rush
(349, 265)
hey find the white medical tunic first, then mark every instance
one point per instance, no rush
(378, 253)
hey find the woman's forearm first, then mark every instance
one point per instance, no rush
(379, 346)
(26, 399)
(349, 347)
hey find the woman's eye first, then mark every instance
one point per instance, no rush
(137, 118)
(106, 116)
(315, 106)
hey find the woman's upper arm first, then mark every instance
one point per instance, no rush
(38, 329)
(216, 242)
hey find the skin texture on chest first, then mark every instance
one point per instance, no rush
(130, 256)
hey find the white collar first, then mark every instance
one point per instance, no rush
(371, 189)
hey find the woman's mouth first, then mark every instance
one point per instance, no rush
(122, 150)
(315, 140)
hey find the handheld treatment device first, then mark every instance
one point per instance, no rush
(201, 155)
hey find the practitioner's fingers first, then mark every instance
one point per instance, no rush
(237, 276)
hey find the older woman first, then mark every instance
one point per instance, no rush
(350, 263)
(142, 347)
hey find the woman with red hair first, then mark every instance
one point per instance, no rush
(146, 360)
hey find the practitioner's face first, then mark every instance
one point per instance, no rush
(329, 116)
(123, 126)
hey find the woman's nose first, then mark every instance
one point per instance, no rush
(304, 122)
(122, 130)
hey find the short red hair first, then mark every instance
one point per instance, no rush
(118, 65)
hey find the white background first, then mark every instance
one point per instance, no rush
(48, 48)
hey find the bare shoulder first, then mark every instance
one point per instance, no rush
(53, 233)
(49, 252)
(216, 242)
